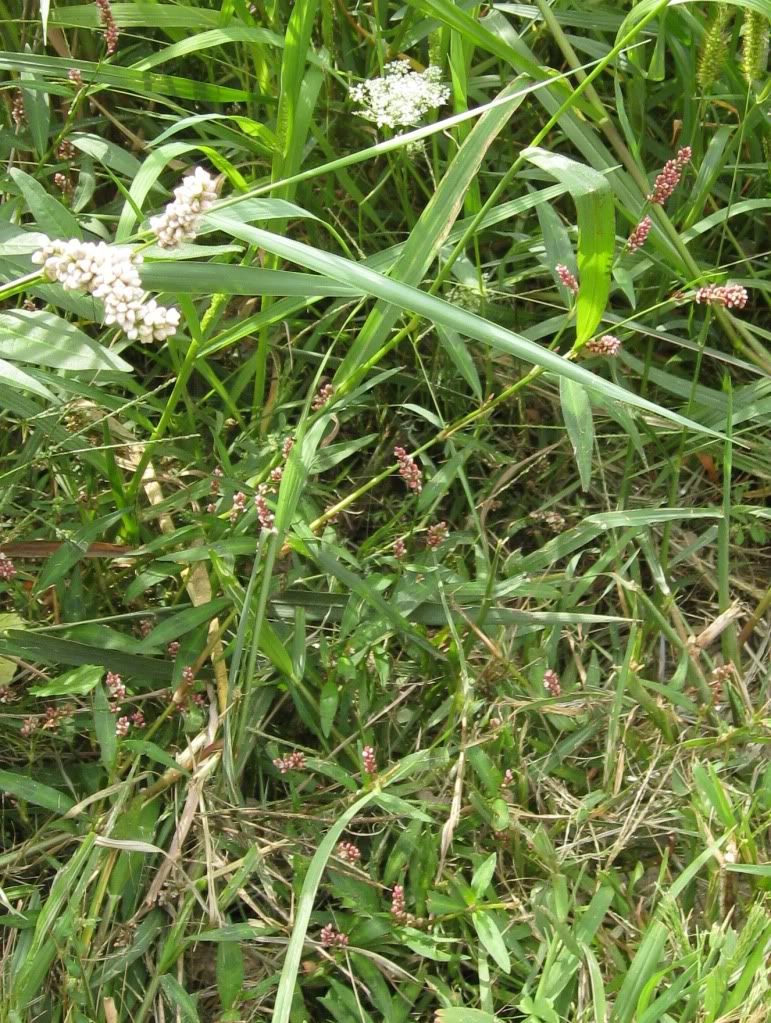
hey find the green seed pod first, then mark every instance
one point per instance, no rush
(754, 45)
(713, 47)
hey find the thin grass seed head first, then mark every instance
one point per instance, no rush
(754, 46)
(401, 97)
(713, 47)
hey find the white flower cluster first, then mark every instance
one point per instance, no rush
(109, 273)
(402, 96)
(181, 219)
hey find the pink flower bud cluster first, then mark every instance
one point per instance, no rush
(239, 503)
(567, 278)
(116, 690)
(51, 720)
(123, 724)
(369, 759)
(286, 447)
(436, 534)
(398, 904)
(669, 178)
(145, 627)
(215, 483)
(7, 568)
(323, 396)
(173, 648)
(332, 938)
(265, 516)
(291, 762)
(719, 676)
(639, 236)
(551, 683)
(399, 548)
(75, 77)
(349, 852)
(109, 26)
(64, 183)
(409, 470)
(605, 345)
(18, 113)
(732, 296)
(399, 911)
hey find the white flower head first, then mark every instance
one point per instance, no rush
(181, 220)
(109, 273)
(402, 96)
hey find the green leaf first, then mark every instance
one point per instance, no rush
(483, 875)
(492, 940)
(328, 706)
(106, 153)
(230, 973)
(596, 233)
(458, 351)
(579, 422)
(432, 229)
(179, 998)
(73, 683)
(291, 968)
(464, 1016)
(173, 627)
(45, 339)
(38, 110)
(641, 969)
(30, 791)
(50, 649)
(200, 278)
(407, 297)
(50, 216)
(143, 83)
(17, 378)
(104, 726)
(153, 752)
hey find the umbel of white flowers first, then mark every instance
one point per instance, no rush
(181, 219)
(110, 274)
(402, 96)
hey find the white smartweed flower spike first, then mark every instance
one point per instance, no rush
(402, 96)
(181, 220)
(110, 274)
